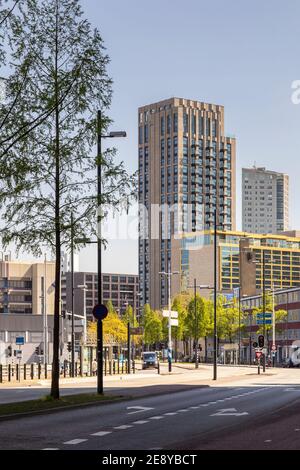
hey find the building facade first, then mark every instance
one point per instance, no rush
(265, 201)
(193, 256)
(24, 285)
(186, 172)
(121, 289)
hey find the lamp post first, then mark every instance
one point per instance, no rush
(205, 287)
(169, 274)
(99, 246)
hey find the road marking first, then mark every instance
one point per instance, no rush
(194, 407)
(183, 410)
(101, 433)
(212, 403)
(171, 414)
(51, 448)
(291, 389)
(268, 440)
(297, 429)
(205, 404)
(139, 409)
(141, 422)
(155, 448)
(156, 417)
(74, 442)
(124, 426)
(229, 412)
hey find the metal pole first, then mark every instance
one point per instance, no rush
(196, 326)
(273, 327)
(72, 301)
(264, 308)
(215, 296)
(169, 322)
(128, 347)
(239, 324)
(45, 314)
(250, 340)
(286, 326)
(99, 258)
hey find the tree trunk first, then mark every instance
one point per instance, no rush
(55, 364)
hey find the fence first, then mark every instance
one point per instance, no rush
(20, 372)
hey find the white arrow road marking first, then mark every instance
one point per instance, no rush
(292, 389)
(229, 412)
(138, 409)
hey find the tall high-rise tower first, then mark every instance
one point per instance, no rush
(265, 200)
(185, 162)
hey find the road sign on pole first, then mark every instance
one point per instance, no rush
(174, 322)
(174, 314)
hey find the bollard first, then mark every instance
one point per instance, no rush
(9, 372)
(46, 371)
(1, 378)
(105, 367)
(114, 367)
(110, 368)
(133, 366)
(17, 372)
(158, 367)
(39, 370)
(24, 372)
(118, 366)
(122, 367)
(65, 369)
(32, 371)
(75, 369)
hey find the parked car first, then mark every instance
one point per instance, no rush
(149, 359)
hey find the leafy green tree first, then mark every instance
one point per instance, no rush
(152, 323)
(197, 320)
(48, 170)
(180, 303)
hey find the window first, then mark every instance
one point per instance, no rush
(185, 123)
(175, 122)
(162, 125)
(169, 124)
(140, 134)
(146, 133)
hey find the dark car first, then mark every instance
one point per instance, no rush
(149, 359)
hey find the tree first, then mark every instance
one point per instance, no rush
(152, 323)
(114, 330)
(197, 320)
(48, 171)
(180, 304)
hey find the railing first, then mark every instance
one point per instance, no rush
(25, 372)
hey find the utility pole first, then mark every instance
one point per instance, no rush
(264, 307)
(169, 320)
(215, 297)
(45, 312)
(99, 256)
(72, 300)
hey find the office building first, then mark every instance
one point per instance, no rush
(121, 289)
(193, 256)
(265, 201)
(186, 171)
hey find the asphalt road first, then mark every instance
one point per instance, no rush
(181, 420)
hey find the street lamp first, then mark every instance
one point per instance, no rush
(169, 274)
(114, 134)
(205, 287)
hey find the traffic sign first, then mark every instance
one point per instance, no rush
(166, 313)
(138, 330)
(174, 322)
(273, 347)
(258, 354)
(266, 322)
(255, 344)
(20, 340)
(100, 311)
(264, 315)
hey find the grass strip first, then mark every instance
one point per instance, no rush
(48, 403)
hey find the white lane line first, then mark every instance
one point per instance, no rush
(183, 410)
(268, 440)
(155, 448)
(297, 429)
(101, 433)
(156, 417)
(141, 421)
(194, 407)
(51, 448)
(171, 414)
(205, 404)
(74, 442)
(124, 426)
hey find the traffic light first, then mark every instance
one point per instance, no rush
(9, 351)
(37, 351)
(261, 341)
(69, 346)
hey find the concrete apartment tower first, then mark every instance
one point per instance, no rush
(265, 201)
(187, 162)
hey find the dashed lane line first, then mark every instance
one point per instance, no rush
(123, 426)
(156, 417)
(141, 421)
(101, 433)
(74, 442)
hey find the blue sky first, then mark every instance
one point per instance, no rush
(244, 55)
